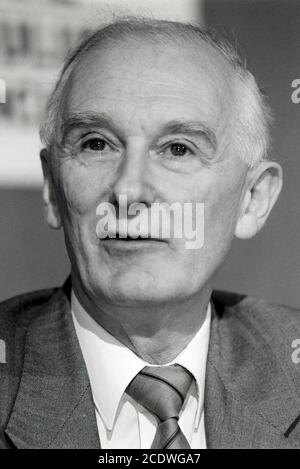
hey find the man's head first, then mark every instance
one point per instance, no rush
(159, 112)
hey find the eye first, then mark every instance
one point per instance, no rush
(178, 149)
(94, 144)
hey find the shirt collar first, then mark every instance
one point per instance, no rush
(111, 365)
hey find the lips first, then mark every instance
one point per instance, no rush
(131, 238)
(126, 245)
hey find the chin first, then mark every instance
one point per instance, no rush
(136, 290)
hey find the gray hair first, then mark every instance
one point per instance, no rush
(251, 134)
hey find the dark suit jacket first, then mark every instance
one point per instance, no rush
(252, 397)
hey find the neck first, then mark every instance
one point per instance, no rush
(158, 332)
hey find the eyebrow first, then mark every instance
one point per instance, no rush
(193, 128)
(86, 119)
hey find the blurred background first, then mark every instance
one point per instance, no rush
(34, 38)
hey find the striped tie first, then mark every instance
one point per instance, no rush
(162, 391)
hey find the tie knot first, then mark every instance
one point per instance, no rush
(161, 389)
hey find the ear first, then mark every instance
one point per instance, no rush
(50, 203)
(263, 186)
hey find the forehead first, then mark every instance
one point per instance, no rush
(153, 80)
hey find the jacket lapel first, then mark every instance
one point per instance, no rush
(54, 405)
(238, 411)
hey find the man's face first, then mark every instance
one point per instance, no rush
(152, 123)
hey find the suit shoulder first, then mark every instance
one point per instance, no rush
(256, 355)
(258, 338)
(239, 307)
(15, 316)
(18, 310)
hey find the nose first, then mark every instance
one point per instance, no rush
(132, 179)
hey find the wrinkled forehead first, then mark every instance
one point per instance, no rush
(158, 75)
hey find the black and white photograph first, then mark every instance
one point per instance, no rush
(150, 227)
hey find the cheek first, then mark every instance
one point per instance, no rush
(79, 191)
(220, 194)
(220, 212)
(221, 215)
(78, 195)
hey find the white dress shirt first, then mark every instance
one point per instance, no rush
(122, 422)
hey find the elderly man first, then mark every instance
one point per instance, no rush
(136, 350)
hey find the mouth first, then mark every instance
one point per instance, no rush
(135, 238)
(129, 243)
